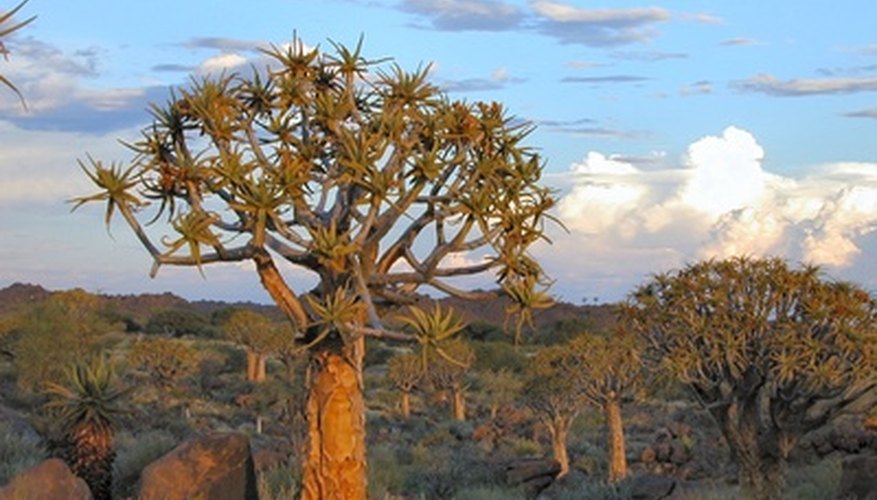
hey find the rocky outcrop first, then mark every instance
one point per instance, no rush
(217, 466)
(531, 474)
(671, 453)
(651, 487)
(858, 480)
(50, 480)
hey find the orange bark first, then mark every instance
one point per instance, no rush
(406, 404)
(559, 428)
(459, 403)
(335, 466)
(615, 430)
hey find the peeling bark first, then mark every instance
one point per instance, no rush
(615, 437)
(335, 465)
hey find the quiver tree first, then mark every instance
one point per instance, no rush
(405, 372)
(448, 373)
(374, 182)
(501, 388)
(608, 370)
(164, 361)
(771, 352)
(87, 408)
(259, 336)
(553, 392)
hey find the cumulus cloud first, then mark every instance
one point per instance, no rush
(466, 15)
(770, 85)
(718, 201)
(597, 27)
(697, 88)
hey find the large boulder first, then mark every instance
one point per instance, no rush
(49, 480)
(859, 478)
(573, 484)
(218, 466)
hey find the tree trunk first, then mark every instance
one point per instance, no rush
(335, 465)
(406, 404)
(260, 373)
(559, 428)
(615, 438)
(252, 362)
(761, 463)
(459, 404)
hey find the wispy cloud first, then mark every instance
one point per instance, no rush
(498, 79)
(597, 27)
(651, 56)
(703, 18)
(864, 113)
(465, 15)
(697, 88)
(605, 79)
(740, 41)
(222, 44)
(770, 85)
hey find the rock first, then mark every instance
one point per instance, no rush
(651, 487)
(858, 479)
(533, 474)
(571, 485)
(218, 466)
(49, 480)
(648, 455)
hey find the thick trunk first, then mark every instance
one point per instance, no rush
(260, 374)
(558, 428)
(758, 453)
(459, 404)
(335, 465)
(615, 438)
(251, 366)
(406, 404)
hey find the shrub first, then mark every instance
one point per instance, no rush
(134, 453)
(18, 452)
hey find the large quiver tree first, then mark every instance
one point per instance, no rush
(771, 352)
(375, 183)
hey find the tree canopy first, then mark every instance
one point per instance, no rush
(772, 352)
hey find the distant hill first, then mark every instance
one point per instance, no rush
(141, 306)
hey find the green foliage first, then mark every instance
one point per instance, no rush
(64, 329)
(498, 355)
(256, 332)
(339, 170)
(164, 361)
(606, 368)
(134, 453)
(179, 322)
(281, 482)
(772, 352)
(89, 397)
(405, 371)
(432, 330)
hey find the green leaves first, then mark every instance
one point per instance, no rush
(89, 396)
(115, 183)
(432, 329)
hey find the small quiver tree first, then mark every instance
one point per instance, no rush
(259, 336)
(609, 371)
(405, 372)
(448, 371)
(501, 387)
(87, 408)
(165, 362)
(553, 392)
(770, 351)
(374, 183)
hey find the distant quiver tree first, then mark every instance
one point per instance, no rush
(374, 182)
(769, 351)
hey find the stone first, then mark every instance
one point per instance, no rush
(49, 480)
(858, 478)
(571, 485)
(651, 487)
(532, 474)
(218, 466)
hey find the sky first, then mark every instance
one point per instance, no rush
(671, 131)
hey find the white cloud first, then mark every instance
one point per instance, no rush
(717, 202)
(221, 62)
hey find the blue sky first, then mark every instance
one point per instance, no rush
(673, 131)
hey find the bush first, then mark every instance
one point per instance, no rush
(134, 453)
(281, 482)
(180, 322)
(489, 493)
(18, 452)
(498, 355)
